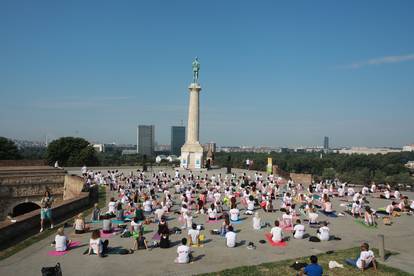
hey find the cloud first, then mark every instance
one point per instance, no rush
(380, 61)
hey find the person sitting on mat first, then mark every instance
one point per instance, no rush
(313, 217)
(106, 224)
(194, 235)
(119, 212)
(327, 206)
(365, 260)
(234, 213)
(257, 221)
(225, 226)
(287, 219)
(164, 233)
(298, 230)
(212, 212)
(369, 217)
(80, 225)
(61, 241)
(356, 209)
(277, 233)
(139, 240)
(96, 213)
(250, 205)
(231, 237)
(184, 253)
(96, 245)
(323, 232)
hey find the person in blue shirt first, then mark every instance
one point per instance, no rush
(313, 269)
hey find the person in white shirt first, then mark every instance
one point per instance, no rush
(323, 232)
(234, 213)
(61, 241)
(112, 206)
(351, 192)
(212, 212)
(184, 253)
(373, 188)
(231, 237)
(397, 194)
(277, 233)
(250, 205)
(194, 235)
(365, 260)
(159, 213)
(147, 206)
(313, 217)
(256, 221)
(298, 230)
(356, 209)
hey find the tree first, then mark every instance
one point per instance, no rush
(71, 151)
(8, 150)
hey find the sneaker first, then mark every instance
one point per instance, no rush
(41, 230)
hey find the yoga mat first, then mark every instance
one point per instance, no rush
(236, 222)
(331, 215)
(93, 222)
(72, 245)
(156, 237)
(272, 243)
(214, 221)
(115, 221)
(361, 222)
(316, 197)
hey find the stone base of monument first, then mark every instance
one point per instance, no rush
(191, 156)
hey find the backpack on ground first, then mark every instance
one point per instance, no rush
(52, 270)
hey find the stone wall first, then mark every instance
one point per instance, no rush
(28, 184)
(15, 163)
(72, 187)
(303, 178)
(29, 223)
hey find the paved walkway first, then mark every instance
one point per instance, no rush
(214, 256)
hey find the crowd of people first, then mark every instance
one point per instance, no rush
(141, 200)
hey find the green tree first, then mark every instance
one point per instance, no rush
(8, 150)
(71, 151)
(329, 173)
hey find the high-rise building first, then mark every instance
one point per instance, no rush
(146, 139)
(326, 143)
(177, 139)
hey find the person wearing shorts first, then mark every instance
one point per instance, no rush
(46, 210)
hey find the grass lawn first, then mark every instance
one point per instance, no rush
(40, 236)
(283, 267)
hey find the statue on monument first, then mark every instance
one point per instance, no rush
(196, 70)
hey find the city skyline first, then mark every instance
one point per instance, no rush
(277, 74)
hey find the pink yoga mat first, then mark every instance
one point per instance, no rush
(108, 235)
(272, 243)
(213, 221)
(72, 245)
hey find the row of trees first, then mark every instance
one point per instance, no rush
(355, 168)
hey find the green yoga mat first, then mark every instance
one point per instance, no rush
(361, 222)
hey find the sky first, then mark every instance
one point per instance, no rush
(276, 73)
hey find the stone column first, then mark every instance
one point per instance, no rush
(193, 131)
(192, 151)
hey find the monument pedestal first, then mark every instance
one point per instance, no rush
(192, 156)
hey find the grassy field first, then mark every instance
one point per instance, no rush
(283, 267)
(48, 232)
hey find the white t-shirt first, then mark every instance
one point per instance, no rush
(95, 244)
(136, 226)
(159, 213)
(250, 205)
(212, 213)
(277, 234)
(299, 230)
(111, 206)
(324, 233)
(194, 235)
(366, 256)
(231, 239)
(313, 217)
(234, 214)
(60, 243)
(183, 252)
(148, 206)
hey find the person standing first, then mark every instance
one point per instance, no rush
(46, 210)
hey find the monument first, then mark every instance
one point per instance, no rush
(192, 151)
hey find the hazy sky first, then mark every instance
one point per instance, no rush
(273, 73)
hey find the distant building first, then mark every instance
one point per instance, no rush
(366, 150)
(326, 143)
(128, 152)
(177, 139)
(99, 147)
(146, 139)
(408, 147)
